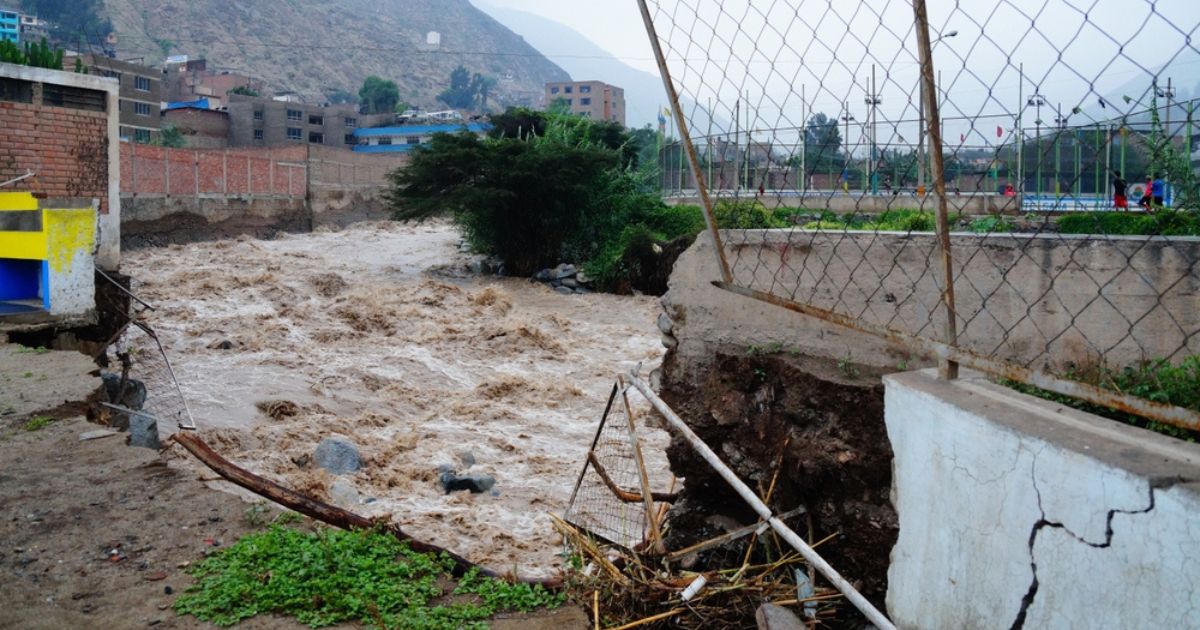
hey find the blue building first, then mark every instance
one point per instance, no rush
(404, 139)
(10, 25)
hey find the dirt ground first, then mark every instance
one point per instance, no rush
(66, 504)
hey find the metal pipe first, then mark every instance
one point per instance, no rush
(686, 138)
(27, 175)
(810, 555)
(946, 369)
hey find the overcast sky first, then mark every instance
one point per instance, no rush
(1074, 52)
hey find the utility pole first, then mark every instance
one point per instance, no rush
(737, 124)
(803, 141)
(872, 100)
(1037, 100)
(1059, 123)
(921, 143)
(1020, 130)
(847, 117)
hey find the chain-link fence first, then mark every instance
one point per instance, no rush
(1006, 184)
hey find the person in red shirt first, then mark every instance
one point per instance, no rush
(1120, 201)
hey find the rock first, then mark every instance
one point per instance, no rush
(143, 432)
(467, 458)
(564, 291)
(97, 434)
(224, 344)
(167, 590)
(665, 324)
(343, 494)
(480, 267)
(564, 271)
(452, 482)
(583, 278)
(337, 455)
(544, 275)
(772, 617)
(570, 283)
(669, 342)
(583, 291)
(134, 397)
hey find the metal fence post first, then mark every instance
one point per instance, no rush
(686, 140)
(946, 369)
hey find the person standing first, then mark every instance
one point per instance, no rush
(1120, 186)
(1146, 198)
(1158, 189)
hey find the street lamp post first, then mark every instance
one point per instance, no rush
(1037, 100)
(847, 118)
(921, 131)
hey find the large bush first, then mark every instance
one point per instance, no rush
(542, 189)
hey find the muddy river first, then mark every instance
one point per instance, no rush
(378, 334)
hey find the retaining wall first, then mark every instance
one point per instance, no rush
(1040, 300)
(859, 203)
(1016, 512)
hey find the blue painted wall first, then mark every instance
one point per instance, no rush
(20, 279)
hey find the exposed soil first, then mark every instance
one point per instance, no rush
(837, 460)
(66, 505)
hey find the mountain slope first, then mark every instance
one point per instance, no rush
(316, 46)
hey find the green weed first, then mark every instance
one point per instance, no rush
(37, 423)
(333, 576)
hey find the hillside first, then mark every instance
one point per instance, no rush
(314, 47)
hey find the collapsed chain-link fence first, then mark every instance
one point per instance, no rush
(141, 382)
(1009, 185)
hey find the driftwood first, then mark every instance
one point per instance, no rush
(626, 496)
(324, 512)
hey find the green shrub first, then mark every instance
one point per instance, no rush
(991, 225)
(746, 214)
(334, 576)
(1165, 222)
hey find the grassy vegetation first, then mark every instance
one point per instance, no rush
(333, 576)
(1164, 222)
(38, 423)
(899, 220)
(1158, 381)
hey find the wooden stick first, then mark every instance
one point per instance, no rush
(596, 608)
(317, 510)
(642, 622)
(729, 536)
(656, 540)
(624, 495)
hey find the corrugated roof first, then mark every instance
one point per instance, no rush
(384, 148)
(420, 130)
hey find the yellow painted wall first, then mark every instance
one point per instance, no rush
(22, 245)
(70, 234)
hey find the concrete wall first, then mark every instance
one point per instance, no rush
(183, 195)
(201, 128)
(1041, 300)
(1015, 512)
(67, 133)
(345, 187)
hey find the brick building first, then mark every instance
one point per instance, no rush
(265, 122)
(202, 128)
(192, 80)
(141, 93)
(594, 99)
(62, 128)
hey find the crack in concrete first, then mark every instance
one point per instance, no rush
(1042, 523)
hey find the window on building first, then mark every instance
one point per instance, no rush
(413, 140)
(350, 139)
(570, 102)
(385, 142)
(585, 89)
(295, 114)
(142, 84)
(141, 109)
(585, 101)
(141, 136)
(294, 133)
(258, 134)
(351, 122)
(554, 90)
(314, 119)
(258, 114)
(567, 89)
(316, 138)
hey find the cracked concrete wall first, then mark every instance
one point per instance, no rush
(1015, 512)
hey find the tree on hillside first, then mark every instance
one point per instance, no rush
(462, 90)
(518, 122)
(483, 88)
(379, 96)
(76, 19)
(822, 144)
